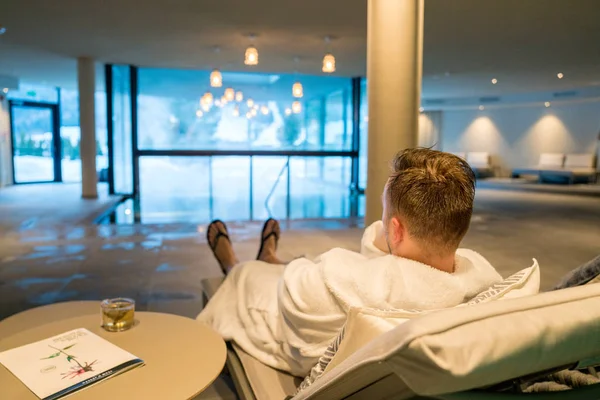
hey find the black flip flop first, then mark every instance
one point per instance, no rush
(263, 239)
(213, 246)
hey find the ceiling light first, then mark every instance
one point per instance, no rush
(255, 106)
(560, 75)
(199, 113)
(229, 94)
(253, 112)
(236, 111)
(223, 100)
(206, 107)
(288, 111)
(5, 90)
(264, 110)
(481, 108)
(250, 103)
(128, 211)
(421, 109)
(494, 81)
(297, 90)
(239, 96)
(216, 79)
(547, 104)
(248, 115)
(251, 54)
(328, 63)
(218, 103)
(296, 107)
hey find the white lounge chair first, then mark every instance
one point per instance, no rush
(480, 162)
(572, 168)
(450, 354)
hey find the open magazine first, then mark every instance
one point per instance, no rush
(58, 366)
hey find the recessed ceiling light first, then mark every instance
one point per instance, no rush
(560, 75)
(5, 90)
(547, 104)
(481, 108)
(421, 109)
(494, 81)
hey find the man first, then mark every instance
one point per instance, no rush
(286, 316)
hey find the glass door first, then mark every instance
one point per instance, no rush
(35, 142)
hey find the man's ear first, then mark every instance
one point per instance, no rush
(398, 232)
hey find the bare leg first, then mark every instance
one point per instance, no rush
(218, 240)
(269, 239)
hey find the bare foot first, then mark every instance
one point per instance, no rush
(269, 239)
(219, 242)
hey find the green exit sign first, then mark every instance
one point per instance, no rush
(31, 93)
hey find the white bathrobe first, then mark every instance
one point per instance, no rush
(286, 316)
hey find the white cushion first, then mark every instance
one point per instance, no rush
(470, 347)
(579, 161)
(364, 325)
(551, 159)
(479, 158)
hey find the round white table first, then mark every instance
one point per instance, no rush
(182, 356)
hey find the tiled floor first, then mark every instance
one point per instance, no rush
(50, 251)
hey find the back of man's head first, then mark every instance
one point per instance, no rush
(433, 193)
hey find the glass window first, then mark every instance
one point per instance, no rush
(230, 188)
(364, 135)
(170, 115)
(33, 143)
(37, 93)
(70, 135)
(319, 187)
(123, 156)
(175, 189)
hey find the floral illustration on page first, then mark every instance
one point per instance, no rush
(74, 371)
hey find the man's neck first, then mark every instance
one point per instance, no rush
(444, 263)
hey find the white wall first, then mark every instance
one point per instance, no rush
(5, 148)
(515, 137)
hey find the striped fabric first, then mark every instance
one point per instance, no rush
(323, 362)
(500, 288)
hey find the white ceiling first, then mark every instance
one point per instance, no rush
(523, 43)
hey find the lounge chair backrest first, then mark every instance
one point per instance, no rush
(552, 160)
(460, 349)
(579, 161)
(478, 158)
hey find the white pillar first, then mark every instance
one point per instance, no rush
(87, 123)
(394, 64)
